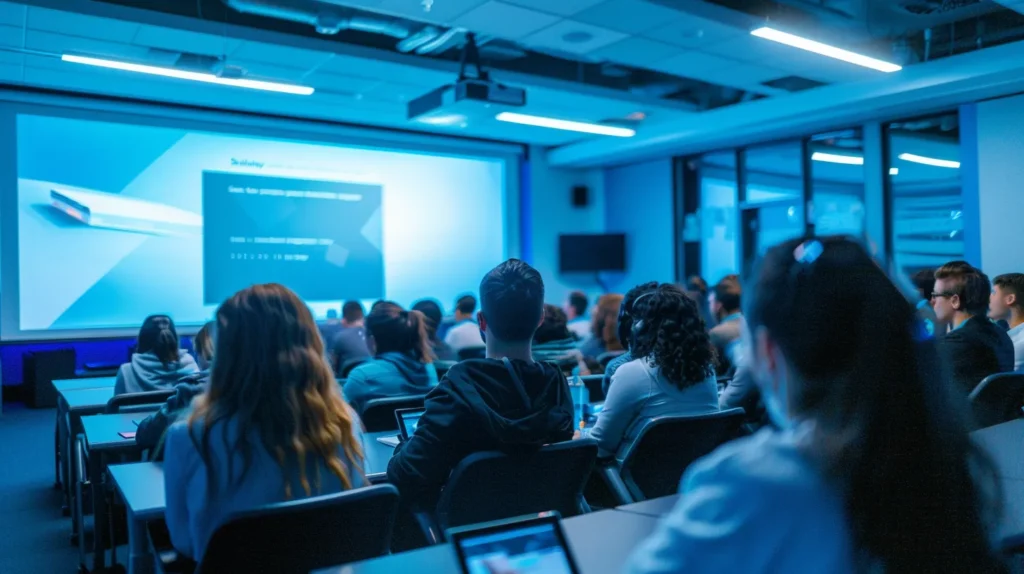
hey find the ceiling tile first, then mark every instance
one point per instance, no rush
(185, 41)
(281, 55)
(694, 32)
(11, 73)
(442, 11)
(12, 14)
(560, 37)
(11, 58)
(837, 71)
(339, 82)
(81, 25)
(10, 36)
(636, 51)
(739, 75)
(377, 69)
(632, 16)
(560, 7)
(689, 64)
(758, 50)
(393, 92)
(504, 20)
(60, 43)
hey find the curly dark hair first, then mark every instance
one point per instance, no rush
(670, 332)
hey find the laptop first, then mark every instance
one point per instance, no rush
(533, 544)
(407, 419)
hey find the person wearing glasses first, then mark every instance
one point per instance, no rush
(975, 347)
(869, 466)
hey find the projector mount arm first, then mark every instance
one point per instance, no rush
(471, 57)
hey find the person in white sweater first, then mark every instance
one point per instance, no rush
(673, 373)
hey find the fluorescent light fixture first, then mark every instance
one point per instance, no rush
(556, 124)
(824, 49)
(837, 158)
(187, 75)
(929, 160)
(894, 171)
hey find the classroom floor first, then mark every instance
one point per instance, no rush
(34, 537)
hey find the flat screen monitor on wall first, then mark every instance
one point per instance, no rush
(110, 217)
(592, 253)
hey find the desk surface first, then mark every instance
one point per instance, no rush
(377, 455)
(63, 385)
(141, 485)
(1005, 444)
(94, 399)
(656, 507)
(601, 542)
(101, 430)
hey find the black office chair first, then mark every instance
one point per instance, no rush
(593, 384)
(442, 368)
(300, 535)
(493, 485)
(132, 402)
(379, 414)
(348, 365)
(997, 399)
(604, 358)
(655, 461)
(472, 353)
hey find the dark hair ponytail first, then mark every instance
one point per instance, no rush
(396, 330)
(159, 337)
(890, 434)
(669, 332)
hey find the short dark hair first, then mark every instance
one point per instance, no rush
(728, 293)
(555, 326)
(698, 284)
(579, 302)
(969, 283)
(466, 304)
(1012, 283)
(512, 300)
(924, 282)
(352, 311)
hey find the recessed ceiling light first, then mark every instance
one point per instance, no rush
(557, 124)
(837, 158)
(824, 49)
(187, 75)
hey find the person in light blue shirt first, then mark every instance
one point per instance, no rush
(673, 374)
(576, 314)
(464, 333)
(402, 364)
(271, 427)
(1007, 304)
(869, 468)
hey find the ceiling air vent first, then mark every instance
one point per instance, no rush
(793, 83)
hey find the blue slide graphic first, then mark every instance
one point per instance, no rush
(309, 234)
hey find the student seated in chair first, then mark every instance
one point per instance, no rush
(464, 333)
(432, 311)
(271, 427)
(603, 327)
(673, 373)
(975, 347)
(1007, 303)
(150, 433)
(349, 343)
(402, 359)
(625, 326)
(158, 362)
(576, 313)
(554, 342)
(506, 401)
(870, 467)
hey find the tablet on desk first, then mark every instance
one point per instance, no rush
(408, 420)
(391, 441)
(533, 544)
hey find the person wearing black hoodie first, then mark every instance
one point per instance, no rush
(505, 402)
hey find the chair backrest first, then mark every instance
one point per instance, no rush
(348, 365)
(149, 399)
(604, 358)
(593, 384)
(472, 353)
(379, 414)
(304, 535)
(655, 461)
(493, 485)
(997, 399)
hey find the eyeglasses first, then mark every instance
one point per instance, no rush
(943, 294)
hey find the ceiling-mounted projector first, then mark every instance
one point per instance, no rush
(468, 96)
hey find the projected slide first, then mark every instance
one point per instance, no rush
(117, 221)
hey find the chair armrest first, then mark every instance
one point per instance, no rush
(609, 473)
(168, 561)
(431, 530)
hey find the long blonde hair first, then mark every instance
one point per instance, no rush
(271, 376)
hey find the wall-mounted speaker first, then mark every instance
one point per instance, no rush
(580, 196)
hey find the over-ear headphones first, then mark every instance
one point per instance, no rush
(638, 325)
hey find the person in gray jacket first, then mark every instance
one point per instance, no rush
(158, 362)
